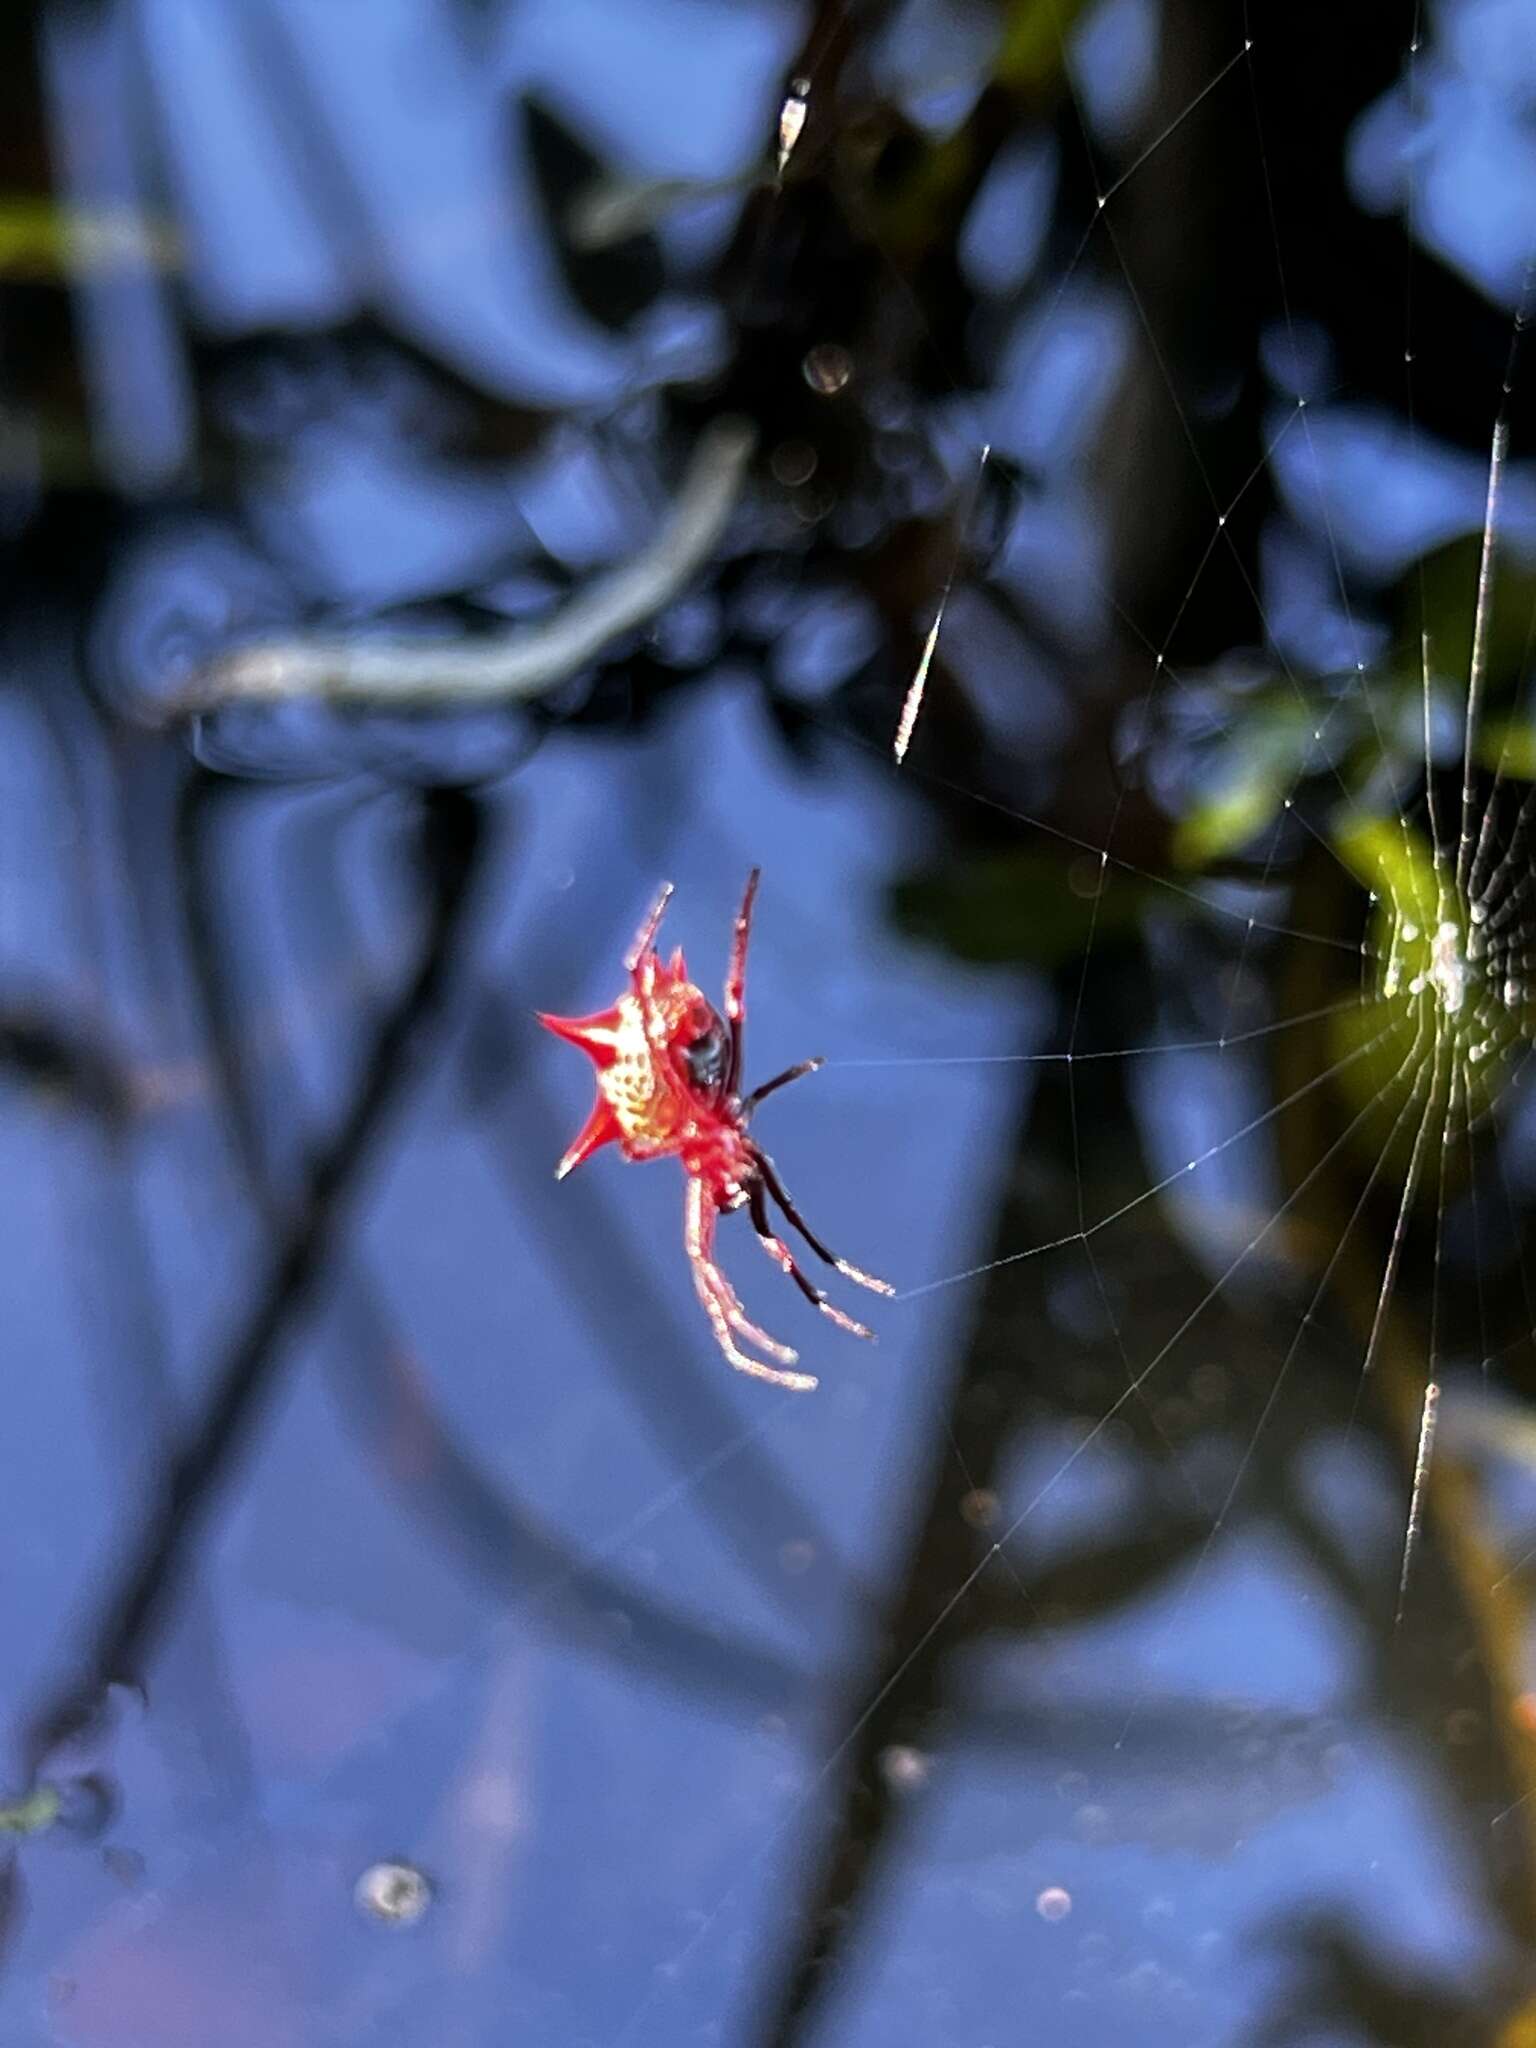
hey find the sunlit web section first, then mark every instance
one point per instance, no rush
(912, 703)
(1419, 1056)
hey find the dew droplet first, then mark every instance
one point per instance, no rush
(827, 368)
(979, 1507)
(395, 1893)
(904, 1768)
(793, 463)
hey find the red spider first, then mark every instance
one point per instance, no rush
(668, 1071)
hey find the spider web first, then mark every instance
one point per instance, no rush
(1404, 1075)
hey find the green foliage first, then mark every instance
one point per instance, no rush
(42, 240)
(1034, 33)
(1395, 864)
(1264, 756)
(32, 1814)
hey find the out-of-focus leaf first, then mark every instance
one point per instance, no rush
(1398, 865)
(1507, 746)
(1032, 51)
(42, 240)
(1225, 822)
(32, 1814)
(911, 204)
(998, 908)
(1266, 756)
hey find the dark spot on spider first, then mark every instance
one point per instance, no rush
(708, 1056)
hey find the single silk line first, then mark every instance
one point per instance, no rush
(1158, 1187)
(1156, 1046)
(1175, 124)
(1273, 1397)
(913, 702)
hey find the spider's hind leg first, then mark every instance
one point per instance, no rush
(719, 1301)
(780, 1253)
(780, 1194)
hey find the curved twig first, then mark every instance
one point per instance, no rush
(506, 667)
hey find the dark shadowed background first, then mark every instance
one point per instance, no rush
(414, 1631)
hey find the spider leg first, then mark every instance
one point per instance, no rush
(779, 1251)
(738, 1320)
(783, 1080)
(780, 1194)
(643, 975)
(640, 962)
(736, 982)
(647, 931)
(719, 1302)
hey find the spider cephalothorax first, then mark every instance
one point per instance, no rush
(668, 1080)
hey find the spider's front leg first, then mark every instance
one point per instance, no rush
(795, 1073)
(736, 983)
(647, 932)
(719, 1301)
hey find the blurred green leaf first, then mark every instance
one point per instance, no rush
(33, 1814)
(1248, 779)
(1396, 862)
(1507, 746)
(40, 239)
(1033, 49)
